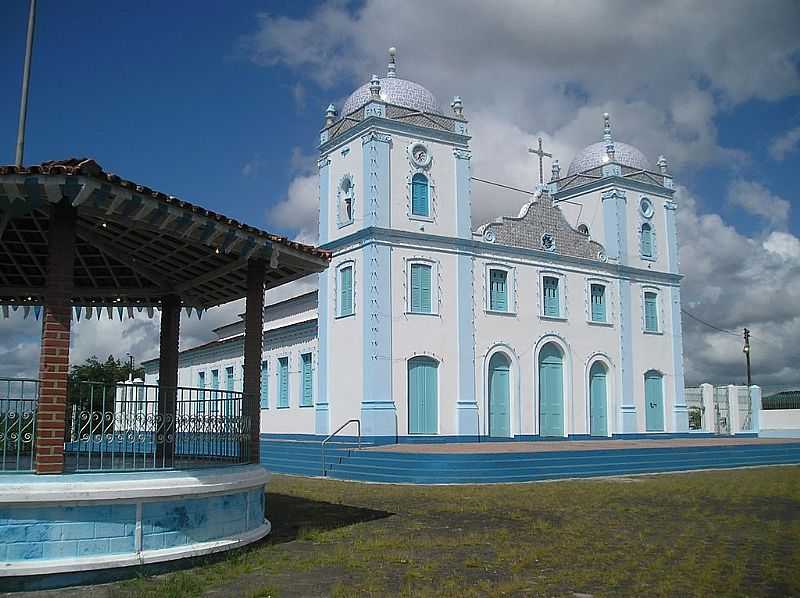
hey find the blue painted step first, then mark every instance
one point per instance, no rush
(344, 461)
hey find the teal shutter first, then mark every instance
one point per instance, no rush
(420, 204)
(650, 312)
(420, 288)
(264, 398)
(422, 396)
(498, 290)
(654, 402)
(346, 291)
(201, 399)
(229, 388)
(647, 240)
(551, 298)
(283, 382)
(307, 398)
(215, 395)
(598, 303)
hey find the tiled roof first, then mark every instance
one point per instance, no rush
(89, 167)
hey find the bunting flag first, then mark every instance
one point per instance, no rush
(188, 311)
(150, 311)
(78, 311)
(5, 311)
(110, 312)
(89, 312)
(130, 312)
(120, 311)
(98, 312)
(199, 313)
(26, 311)
(37, 311)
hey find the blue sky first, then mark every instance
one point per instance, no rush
(221, 103)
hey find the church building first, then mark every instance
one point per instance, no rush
(563, 320)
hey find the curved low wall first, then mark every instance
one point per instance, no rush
(83, 522)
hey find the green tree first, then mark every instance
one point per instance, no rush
(104, 375)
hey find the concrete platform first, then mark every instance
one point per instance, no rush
(545, 446)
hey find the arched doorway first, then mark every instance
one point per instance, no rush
(551, 391)
(654, 401)
(499, 395)
(423, 400)
(598, 396)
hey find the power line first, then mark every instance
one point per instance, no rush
(525, 191)
(717, 328)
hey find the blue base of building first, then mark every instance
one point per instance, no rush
(343, 462)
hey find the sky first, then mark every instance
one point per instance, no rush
(220, 104)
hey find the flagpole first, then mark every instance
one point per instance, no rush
(26, 75)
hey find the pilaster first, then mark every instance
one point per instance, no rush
(466, 404)
(322, 421)
(376, 188)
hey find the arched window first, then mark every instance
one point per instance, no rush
(647, 240)
(583, 229)
(420, 201)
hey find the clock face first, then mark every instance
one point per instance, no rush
(420, 155)
(646, 206)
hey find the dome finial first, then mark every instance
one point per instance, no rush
(375, 87)
(458, 106)
(610, 150)
(392, 69)
(330, 115)
(662, 165)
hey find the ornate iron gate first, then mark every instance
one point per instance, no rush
(722, 416)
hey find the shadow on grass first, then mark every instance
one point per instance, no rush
(290, 516)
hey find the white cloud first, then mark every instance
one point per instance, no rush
(784, 144)
(756, 199)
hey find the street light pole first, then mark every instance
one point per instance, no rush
(746, 351)
(26, 77)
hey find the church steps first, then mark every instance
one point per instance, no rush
(346, 462)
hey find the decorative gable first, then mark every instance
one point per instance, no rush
(542, 226)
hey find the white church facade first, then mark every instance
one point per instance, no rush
(561, 321)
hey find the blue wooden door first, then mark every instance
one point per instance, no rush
(598, 420)
(653, 402)
(499, 396)
(551, 391)
(422, 396)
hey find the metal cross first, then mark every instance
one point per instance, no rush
(541, 153)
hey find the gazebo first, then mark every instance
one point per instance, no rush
(169, 478)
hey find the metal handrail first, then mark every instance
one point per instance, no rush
(339, 429)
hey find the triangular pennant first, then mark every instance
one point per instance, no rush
(5, 311)
(150, 312)
(130, 312)
(37, 311)
(14, 307)
(26, 311)
(188, 311)
(120, 311)
(199, 313)
(139, 309)
(98, 311)
(78, 311)
(110, 313)
(88, 312)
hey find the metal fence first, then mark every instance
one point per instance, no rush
(694, 403)
(120, 427)
(18, 399)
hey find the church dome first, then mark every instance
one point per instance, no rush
(400, 92)
(596, 154)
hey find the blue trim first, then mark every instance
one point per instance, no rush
(611, 181)
(483, 249)
(322, 415)
(324, 200)
(378, 416)
(681, 411)
(375, 156)
(627, 405)
(467, 405)
(463, 195)
(473, 438)
(393, 126)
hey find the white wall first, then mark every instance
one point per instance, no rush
(780, 423)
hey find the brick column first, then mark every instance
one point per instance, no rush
(54, 357)
(253, 342)
(168, 379)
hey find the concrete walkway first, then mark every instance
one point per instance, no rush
(546, 446)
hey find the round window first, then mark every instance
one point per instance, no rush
(646, 207)
(420, 155)
(548, 242)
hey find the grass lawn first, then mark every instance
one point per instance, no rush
(723, 533)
